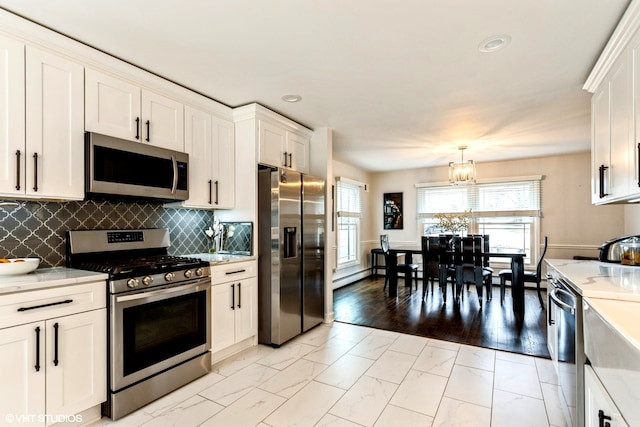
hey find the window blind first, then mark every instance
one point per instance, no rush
(349, 199)
(520, 197)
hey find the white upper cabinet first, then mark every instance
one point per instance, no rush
(43, 114)
(282, 147)
(224, 169)
(112, 106)
(12, 112)
(611, 135)
(615, 133)
(210, 143)
(124, 110)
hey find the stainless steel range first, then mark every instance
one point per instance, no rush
(159, 313)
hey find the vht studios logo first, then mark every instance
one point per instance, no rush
(28, 419)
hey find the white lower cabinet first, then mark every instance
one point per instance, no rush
(234, 304)
(54, 367)
(599, 409)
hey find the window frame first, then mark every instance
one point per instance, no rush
(529, 212)
(350, 214)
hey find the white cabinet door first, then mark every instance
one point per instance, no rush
(298, 149)
(598, 403)
(76, 362)
(246, 324)
(271, 143)
(163, 121)
(197, 144)
(54, 126)
(22, 389)
(122, 109)
(222, 316)
(601, 138)
(621, 102)
(224, 169)
(12, 111)
(112, 106)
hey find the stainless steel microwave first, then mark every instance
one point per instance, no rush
(126, 169)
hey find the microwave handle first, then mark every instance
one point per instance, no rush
(174, 162)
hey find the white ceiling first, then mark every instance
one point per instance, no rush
(402, 84)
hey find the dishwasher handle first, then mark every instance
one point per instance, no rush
(571, 309)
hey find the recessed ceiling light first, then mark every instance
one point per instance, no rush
(494, 43)
(291, 98)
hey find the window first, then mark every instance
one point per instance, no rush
(349, 209)
(508, 211)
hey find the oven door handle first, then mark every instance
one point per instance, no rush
(563, 305)
(199, 285)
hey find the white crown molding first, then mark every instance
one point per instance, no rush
(626, 29)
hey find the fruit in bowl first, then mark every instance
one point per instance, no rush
(17, 266)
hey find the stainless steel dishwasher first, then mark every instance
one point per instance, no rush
(565, 321)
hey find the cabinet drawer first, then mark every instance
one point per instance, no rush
(234, 271)
(34, 306)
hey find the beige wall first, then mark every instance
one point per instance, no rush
(574, 226)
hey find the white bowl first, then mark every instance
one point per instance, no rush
(17, 266)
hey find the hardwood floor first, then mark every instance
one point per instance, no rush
(494, 326)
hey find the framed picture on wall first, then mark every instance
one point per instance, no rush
(392, 211)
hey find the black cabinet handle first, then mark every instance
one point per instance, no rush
(285, 159)
(33, 307)
(239, 294)
(210, 191)
(55, 344)
(235, 272)
(233, 297)
(137, 127)
(35, 171)
(638, 160)
(602, 419)
(290, 162)
(148, 131)
(18, 170)
(601, 171)
(217, 192)
(37, 349)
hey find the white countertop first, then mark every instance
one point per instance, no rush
(597, 279)
(42, 278)
(217, 258)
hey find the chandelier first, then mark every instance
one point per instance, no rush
(462, 173)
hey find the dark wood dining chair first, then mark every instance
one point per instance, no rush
(486, 248)
(469, 260)
(430, 246)
(446, 267)
(529, 276)
(410, 271)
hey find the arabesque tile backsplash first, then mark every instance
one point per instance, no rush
(37, 229)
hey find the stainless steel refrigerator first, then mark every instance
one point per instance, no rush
(291, 232)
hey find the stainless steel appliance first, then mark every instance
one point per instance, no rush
(291, 232)
(566, 345)
(116, 167)
(611, 250)
(159, 310)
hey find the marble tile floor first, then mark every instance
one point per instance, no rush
(347, 375)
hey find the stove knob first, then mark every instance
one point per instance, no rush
(199, 271)
(147, 280)
(169, 277)
(132, 283)
(188, 274)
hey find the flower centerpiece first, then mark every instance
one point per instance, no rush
(454, 223)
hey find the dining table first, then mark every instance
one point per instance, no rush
(517, 268)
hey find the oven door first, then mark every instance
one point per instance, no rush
(156, 330)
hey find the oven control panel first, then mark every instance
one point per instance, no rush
(124, 236)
